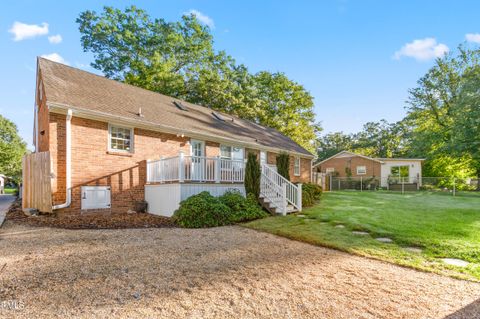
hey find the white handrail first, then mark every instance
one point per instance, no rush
(291, 193)
(195, 168)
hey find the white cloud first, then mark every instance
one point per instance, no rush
(473, 37)
(55, 57)
(202, 18)
(55, 39)
(23, 31)
(422, 50)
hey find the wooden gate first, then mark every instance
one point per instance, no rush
(37, 186)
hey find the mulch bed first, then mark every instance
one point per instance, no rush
(111, 221)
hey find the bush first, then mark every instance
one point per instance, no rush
(283, 165)
(311, 193)
(253, 174)
(205, 210)
(243, 209)
(202, 210)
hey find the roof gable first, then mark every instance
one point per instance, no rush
(68, 86)
(344, 154)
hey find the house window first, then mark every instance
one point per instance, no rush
(329, 170)
(120, 138)
(400, 171)
(263, 157)
(296, 166)
(231, 152)
(361, 170)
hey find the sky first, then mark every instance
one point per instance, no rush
(358, 59)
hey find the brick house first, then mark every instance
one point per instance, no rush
(113, 145)
(386, 170)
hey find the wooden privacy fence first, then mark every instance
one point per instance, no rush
(37, 187)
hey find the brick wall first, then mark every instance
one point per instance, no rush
(305, 168)
(94, 165)
(339, 164)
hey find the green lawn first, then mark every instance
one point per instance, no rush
(442, 226)
(10, 190)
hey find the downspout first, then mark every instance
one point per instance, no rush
(68, 170)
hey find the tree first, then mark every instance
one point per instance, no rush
(465, 135)
(441, 114)
(286, 106)
(178, 59)
(380, 139)
(333, 143)
(376, 139)
(12, 149)
(283, 165)
(252, 175)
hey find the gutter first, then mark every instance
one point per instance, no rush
(68, 164)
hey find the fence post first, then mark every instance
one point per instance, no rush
(330, 179)
(217, 169)
(181, 171)
(339, 184)
(403, 185)
(454, 186)
(361, 183)
(299, 196)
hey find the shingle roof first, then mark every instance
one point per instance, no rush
(70, 86)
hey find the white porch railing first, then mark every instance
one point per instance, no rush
(280, 191)
(195, 169)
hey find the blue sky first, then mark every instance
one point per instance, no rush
(357, 58)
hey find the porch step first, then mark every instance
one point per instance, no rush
(273, 207)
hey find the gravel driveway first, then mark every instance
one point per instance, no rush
(226, 272)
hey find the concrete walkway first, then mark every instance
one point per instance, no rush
(5, 202)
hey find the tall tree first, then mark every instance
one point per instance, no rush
(178, 59)
(465, 139)
(12, 149)
(439, 105)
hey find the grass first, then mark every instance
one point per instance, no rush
(10, 190)
(442, 226)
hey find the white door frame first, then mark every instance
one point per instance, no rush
(197, 169)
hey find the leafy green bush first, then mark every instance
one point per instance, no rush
(202, 210)
(243, 209)
(205, 210)
(311, 193)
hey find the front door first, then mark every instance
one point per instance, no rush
(198, 160)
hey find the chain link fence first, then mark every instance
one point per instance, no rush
(447, 185)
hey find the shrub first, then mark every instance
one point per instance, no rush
(243, 209)
(252, 176)
(310, 194)
(202, 210)
(283, 165)
(205, 210)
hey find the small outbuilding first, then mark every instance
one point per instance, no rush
(389, 171)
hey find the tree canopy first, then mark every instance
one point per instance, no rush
(12, 149)
(178, 59)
